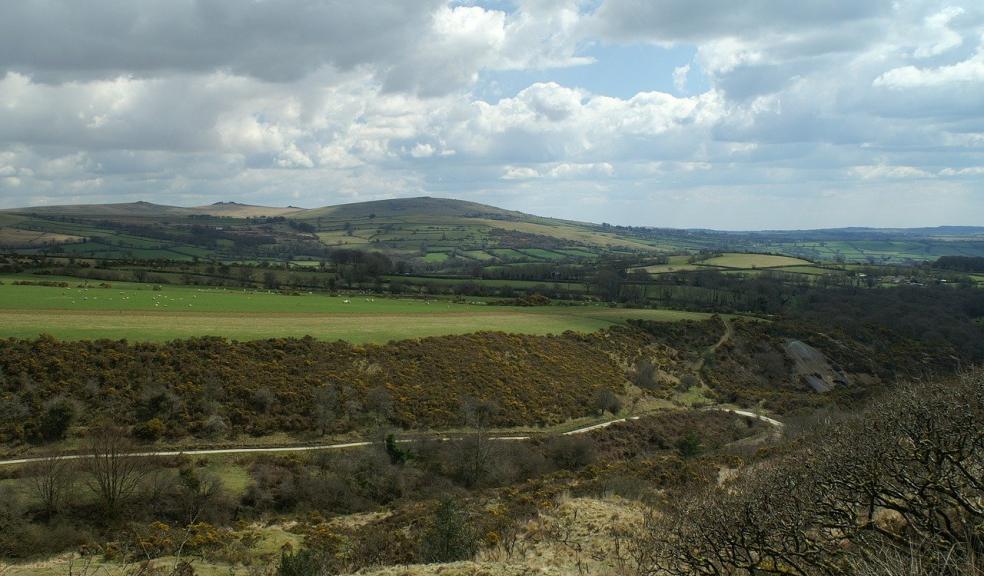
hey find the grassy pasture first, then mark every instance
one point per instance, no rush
(478, 255)
(808, 270)
(19, 237)
(340, 238)
(577, 252)
(435, 257)
(665, 268)
(540, 253)
(737, 260)
(136, 312)
(567, 232)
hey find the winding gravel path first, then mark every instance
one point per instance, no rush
(345, 445)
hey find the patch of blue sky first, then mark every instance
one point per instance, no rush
(620, 71)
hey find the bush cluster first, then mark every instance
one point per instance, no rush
(211, 387)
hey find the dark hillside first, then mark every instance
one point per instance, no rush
(212, 387)
(424, 206)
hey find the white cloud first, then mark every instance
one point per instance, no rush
(591, 169)
(876, 171)
(969, 70)
(723, 55)
(292, 157)
(519, 173)
(970, 171)
(943, 38)
(680, 74)
(422, 150)
(560, 171)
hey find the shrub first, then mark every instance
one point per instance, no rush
(150, 430)
(450, 537)
(215, 427)
(304, 385)
(301, 563)
(689, 445)
(606, 401)
(57, 417)
(571, 452)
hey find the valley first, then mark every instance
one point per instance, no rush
(291, 391)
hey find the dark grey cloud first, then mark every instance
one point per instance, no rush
(276, 41)
(699, 20)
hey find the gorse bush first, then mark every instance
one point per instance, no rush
(210, 387)
(300, 563)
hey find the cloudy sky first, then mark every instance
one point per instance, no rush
(684, 113)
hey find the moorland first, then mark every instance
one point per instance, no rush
(425, 386)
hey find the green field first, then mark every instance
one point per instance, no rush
(543, 254)
(435, 257)
(137, 312)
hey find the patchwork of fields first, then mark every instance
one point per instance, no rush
(742, 263)
(880, 251)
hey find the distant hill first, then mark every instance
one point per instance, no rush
(151, 210)
(237, 210)
(865, 232)
(437, 233)
(422, 206)
(431, 230)
(128, 209)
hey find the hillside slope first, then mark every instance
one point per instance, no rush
(150, 210)
(437, 233)
(432, 230)
(416, 207)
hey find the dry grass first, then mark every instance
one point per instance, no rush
(264, 553)
(574, 538)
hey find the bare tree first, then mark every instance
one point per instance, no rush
(477, 446)
(114, 471)
(51, 480)
(900, 481)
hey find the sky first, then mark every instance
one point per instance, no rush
(759, 114)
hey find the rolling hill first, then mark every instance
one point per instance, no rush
(432, 230)
(434, 233)
(151, 210)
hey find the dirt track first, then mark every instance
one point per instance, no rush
(344, 445)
